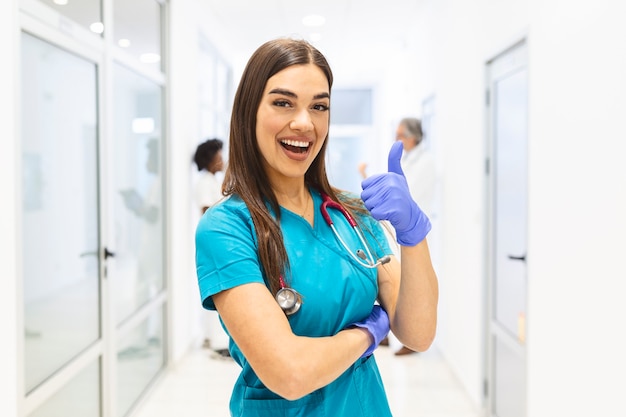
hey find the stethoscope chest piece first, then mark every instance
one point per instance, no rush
(289, 300)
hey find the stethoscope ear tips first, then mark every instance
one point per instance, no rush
(385, 259)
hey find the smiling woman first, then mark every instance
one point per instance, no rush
(292, 123)
(298, 305)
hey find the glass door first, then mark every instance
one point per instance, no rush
(137, 273)
(60, 226)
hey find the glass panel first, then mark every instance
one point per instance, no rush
(137, 273)
(137, 29)
(343, 156)
(206, 90)
(80, 397)
(140, 357)
(87, 13)
(351, 107)
(59, 207)
(223, 84)
(214, 81)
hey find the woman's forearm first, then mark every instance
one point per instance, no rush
(288, 364)
(411, 301)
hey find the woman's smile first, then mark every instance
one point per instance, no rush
(296, 149)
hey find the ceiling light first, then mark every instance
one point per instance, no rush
(313, 20)
(143, 125)
(123, 43)
(97, 27)
(60, 2)
(150, 58)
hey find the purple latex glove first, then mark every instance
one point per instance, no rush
(377, 324)
(387, 197)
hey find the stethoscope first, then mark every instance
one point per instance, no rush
(289, 299)
(365, 258)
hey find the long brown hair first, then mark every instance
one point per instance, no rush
(245, 175)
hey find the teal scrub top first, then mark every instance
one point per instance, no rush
(336, 292)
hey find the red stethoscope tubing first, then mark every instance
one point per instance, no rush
(327, 202)
(365, 258)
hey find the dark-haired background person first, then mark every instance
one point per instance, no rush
(209, 160)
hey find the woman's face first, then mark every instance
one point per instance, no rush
(292, 121)
(217, 163)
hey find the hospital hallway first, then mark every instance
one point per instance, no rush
(417, 385)
(521, 106)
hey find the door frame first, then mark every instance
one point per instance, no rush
(520, 47)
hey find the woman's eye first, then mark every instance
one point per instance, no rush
(281, 103)
(321, 107)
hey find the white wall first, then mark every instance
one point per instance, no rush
(577, 203)
(8, 211)
(183, 108)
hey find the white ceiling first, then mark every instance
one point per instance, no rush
(359, 36)
(353, 28)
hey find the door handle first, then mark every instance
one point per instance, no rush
(518, 258)
(108, 253)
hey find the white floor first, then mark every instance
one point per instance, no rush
(417, 385)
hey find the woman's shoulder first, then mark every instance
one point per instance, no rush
(225, 213)
(232, 203)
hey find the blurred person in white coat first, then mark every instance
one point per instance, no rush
(418, 165)
(208, 191)
(419, 169)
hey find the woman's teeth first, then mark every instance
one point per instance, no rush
(295, 146)
(295, 143)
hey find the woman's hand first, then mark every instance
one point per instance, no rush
(377, 325)
(387, 197)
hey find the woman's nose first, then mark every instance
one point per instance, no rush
(302, 121)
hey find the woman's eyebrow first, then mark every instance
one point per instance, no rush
(289, 93)
(283, 92)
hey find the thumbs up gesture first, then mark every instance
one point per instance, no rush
(387, 197)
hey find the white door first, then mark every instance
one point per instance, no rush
(59, 232)
(507, 111)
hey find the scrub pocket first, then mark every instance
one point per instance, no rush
(260, 402)
(369, 390)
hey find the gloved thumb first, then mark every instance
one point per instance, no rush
(395, 154)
